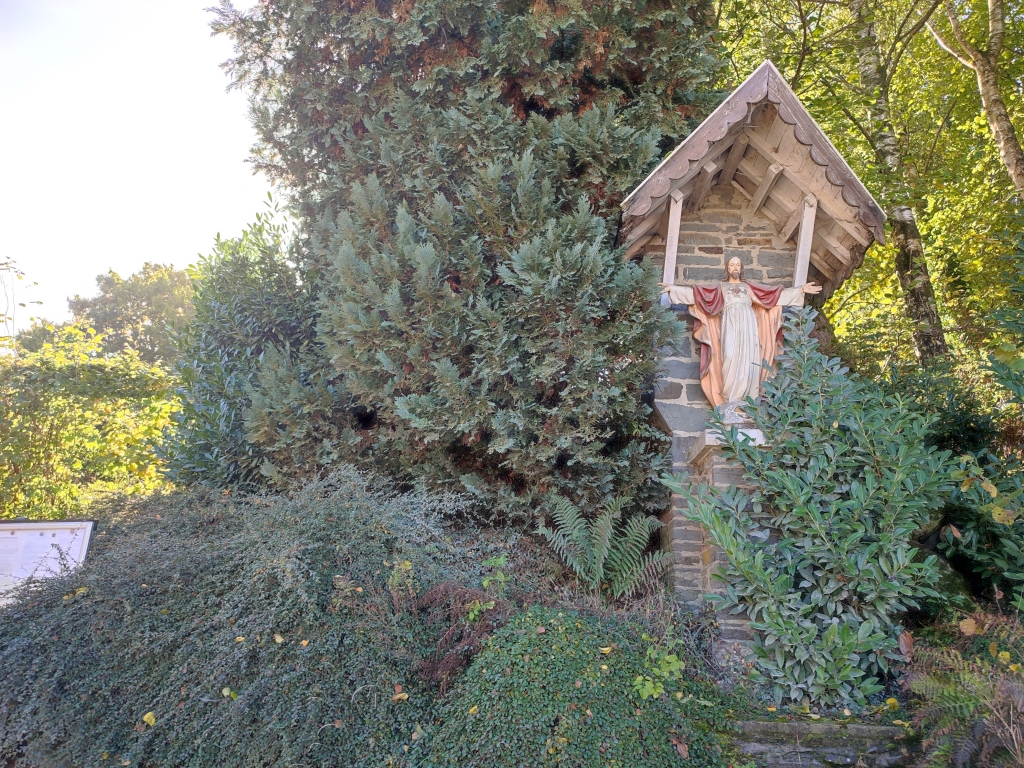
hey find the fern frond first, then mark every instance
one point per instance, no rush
(632, 542)
(601, 533)
(651, 565)
(569, 538)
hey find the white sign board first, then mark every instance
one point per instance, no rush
(40, 550)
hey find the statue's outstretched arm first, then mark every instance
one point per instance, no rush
(679, 294)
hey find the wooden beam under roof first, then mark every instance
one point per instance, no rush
(841, 251)
(829, 206)
(733, 160)
(675, 215)
(701, 186)
(822, 266)
(804, 239)
(789, 228)
(771, 176)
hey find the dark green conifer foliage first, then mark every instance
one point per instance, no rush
(457, 168)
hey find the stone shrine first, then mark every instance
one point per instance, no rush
(760, 182)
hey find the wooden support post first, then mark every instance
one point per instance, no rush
(675, 213)
(732, 162)
(803, 241)
(770, 177)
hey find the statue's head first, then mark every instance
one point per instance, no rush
(734, 268)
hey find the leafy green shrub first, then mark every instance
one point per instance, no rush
(74, 421)
(984, 525)
(820, 556)
(556, 688)
(985, 515)
(250, 304)
(605, 551)
(257, 631)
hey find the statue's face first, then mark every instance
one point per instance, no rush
(734, 268)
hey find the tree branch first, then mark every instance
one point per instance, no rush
(947, 46)
(900, 45)
(961, 39)
(849, 115)
(935, 141)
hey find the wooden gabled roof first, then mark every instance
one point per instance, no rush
(763, 141)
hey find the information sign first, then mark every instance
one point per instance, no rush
(40, 549)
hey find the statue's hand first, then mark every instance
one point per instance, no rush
(664, 287)
(811, 288)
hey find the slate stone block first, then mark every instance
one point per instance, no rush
(694, 394)
(696, 226)
(684, 418)
(677, 369)
(667, 390)
(703, 274)
(696, 259)
(722, 217)
(776, 259)
(743, 254)
(681, 445)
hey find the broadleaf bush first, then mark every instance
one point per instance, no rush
(820, 554)
(74, 422)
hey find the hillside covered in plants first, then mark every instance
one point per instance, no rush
(380, 481)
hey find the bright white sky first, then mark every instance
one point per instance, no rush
(118, 142)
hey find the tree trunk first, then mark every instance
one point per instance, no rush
(999, 120)
(911, 267)
(985, 64)
(918, 295)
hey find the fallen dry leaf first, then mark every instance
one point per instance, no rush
(681, 747)
(906, 643)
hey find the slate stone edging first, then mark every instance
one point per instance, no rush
(822, 745)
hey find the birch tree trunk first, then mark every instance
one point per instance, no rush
(985, 64)
(910, 264)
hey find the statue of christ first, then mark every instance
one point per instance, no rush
(738, 327)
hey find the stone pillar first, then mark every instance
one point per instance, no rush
(696, 557)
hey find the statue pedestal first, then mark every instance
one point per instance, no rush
(696, 557)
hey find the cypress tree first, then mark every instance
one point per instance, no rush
(457, 168)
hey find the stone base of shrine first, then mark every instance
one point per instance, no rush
(696, 557)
